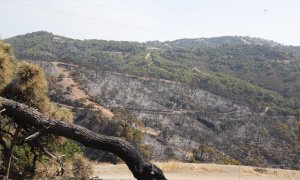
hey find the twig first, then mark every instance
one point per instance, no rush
(15, 158)
(2, 128)
(6, 132)
(2, 110)
(32, 136)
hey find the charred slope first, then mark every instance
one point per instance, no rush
(181, 119)
(194, 117)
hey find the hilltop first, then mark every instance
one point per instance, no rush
(231, 100)
(214, 42)
(229, 61)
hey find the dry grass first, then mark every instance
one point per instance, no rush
(250, 171)
(177, 166)
(175, 170)
(78, 168)
(195, 168)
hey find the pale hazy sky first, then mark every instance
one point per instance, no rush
(143, 20)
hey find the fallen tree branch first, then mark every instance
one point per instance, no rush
(26, 116)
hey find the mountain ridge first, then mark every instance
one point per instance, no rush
(204, 41)
(270, 67)
(230, 116)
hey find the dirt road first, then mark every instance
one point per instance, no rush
(76, 92)
(192, 171)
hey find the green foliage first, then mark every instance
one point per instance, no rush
(61, 76)
(69, 149)
(208, 154)
(166, 134)
(22, 153)
(240, 91)
(229, 161)
(24, 157)
(46, 46)
(69, 89)
(128, 127)
(29, 87)
(6, 48)
(169, 153)
(60, 114)
(81, 167)
(260, 74)
(124, 125)
(146, 150)
(6, 65)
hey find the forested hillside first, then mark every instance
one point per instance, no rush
(254, 71)
(231, 100)
(214, 42)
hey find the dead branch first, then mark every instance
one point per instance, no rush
(61, 169)
(11, 148)
(26, 116)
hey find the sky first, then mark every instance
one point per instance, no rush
(145, 20)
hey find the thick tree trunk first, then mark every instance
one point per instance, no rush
(26, 116)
